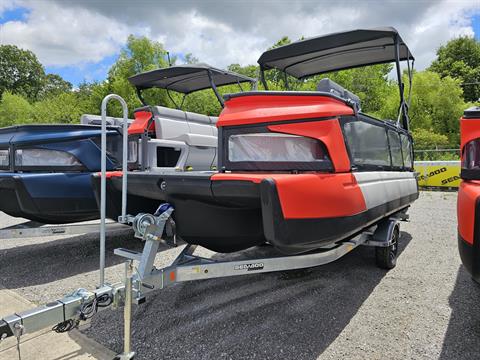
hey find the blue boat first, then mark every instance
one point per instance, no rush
(45, 170)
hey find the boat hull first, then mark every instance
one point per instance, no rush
(54, 198)
(293, 212)
(137, 202)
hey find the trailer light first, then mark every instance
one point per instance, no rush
(44, 158)
(274, 147)
(4, 158)
(471, 155)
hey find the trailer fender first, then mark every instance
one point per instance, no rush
(385, 229)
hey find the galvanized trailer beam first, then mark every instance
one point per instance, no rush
(35, 229)
(55, 312)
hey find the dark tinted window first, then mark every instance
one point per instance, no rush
(367, 143)
(4, 158)
(406, 151)
(167, 157)
(395, 148)
(471, 155)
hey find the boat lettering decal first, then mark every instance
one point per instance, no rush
(249, 267)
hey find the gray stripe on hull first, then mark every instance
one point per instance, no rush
(379, 187)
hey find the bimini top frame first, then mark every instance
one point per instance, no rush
(340, 51)
(186, 79)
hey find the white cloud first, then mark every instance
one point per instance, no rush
(222, 32)
(64, 36)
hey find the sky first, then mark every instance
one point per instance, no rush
(81, 39)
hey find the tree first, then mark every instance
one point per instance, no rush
(14, 109)
(20, 72)
(436, 105)
(54, 85)
(369, 83)
(63, 108)
(426, 139)
(249, 70)
(140, 54)
(460, 59)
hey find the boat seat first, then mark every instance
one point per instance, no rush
(213, 121)
(199, 124)
(192, 135)
(170, 123)
(198, 140)
(329, 86)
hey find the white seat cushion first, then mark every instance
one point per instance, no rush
(170, 123)
(198, 140)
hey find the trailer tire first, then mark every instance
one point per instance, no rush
(386, 257)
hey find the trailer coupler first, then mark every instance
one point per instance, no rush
(66, 313)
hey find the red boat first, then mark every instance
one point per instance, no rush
(297, 170)
(468, 206)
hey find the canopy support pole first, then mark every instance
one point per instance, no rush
(403, 116)
(214, 88)
(262, 77)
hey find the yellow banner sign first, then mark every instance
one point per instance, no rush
(438, 173)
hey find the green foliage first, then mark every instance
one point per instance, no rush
(436, 105)
(140, 54)
(54, 85)
(249, 70)
(14, 109)
(369, 83)
(20, 72)
(63, 108)
(460, 59)
(428, 139)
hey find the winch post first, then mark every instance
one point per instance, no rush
(103, 179)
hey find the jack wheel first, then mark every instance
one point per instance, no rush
(386, 257)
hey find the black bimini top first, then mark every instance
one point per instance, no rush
(336, 51)
(187, 78)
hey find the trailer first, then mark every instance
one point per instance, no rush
(142, 277)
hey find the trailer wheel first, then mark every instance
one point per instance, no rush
(386, 257)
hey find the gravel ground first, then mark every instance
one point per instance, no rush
(426, 308)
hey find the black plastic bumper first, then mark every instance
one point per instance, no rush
(142, 200)
(470, 253)
(17, 201)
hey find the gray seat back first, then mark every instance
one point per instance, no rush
(199, 124)
(170, 123)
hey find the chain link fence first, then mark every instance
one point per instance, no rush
(437, 154)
